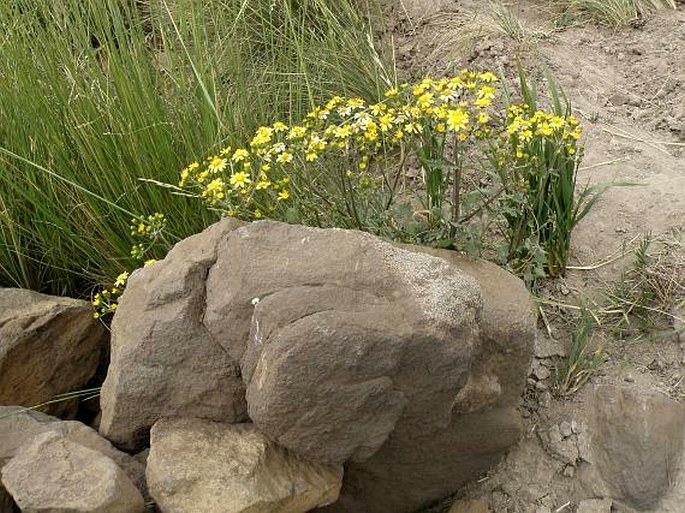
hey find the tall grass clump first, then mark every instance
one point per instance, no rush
(619, 12)
(96, 95)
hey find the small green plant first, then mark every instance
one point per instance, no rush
(582, 361)
(618, 12)
(650, 292)
(537, 163)
(150, 231)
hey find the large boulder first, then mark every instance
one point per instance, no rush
(199, 465)
(48, 346)
(51, 473)
(403, 365)
(19, 426)
(420, 462)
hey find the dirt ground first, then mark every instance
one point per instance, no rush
(627, 86)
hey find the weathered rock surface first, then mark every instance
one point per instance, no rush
(48, 346)
(406, 366)
(420, 461)
(51, 474)
(637, 443)
(18, 426)
(164, 361)
(479, 506)
(199, 465)
(594, 506)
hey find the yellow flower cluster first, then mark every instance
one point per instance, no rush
(528, 130)
(105, 302)
(255, 181)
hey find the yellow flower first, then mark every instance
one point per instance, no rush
(343, 132)
(262, 136)
(355, 103)
(378, 109)
(279, 127)
(217, 164)
(284, 157)
(258, 214)
(214, 190)
(488, 77)
(425, 100)
(545, 129)
(263, 184)
(240, 154)
(457, 120)
(526, 135)
(390, 93)
(240, 180)
(385, 122)
(149, 262)
(311, 156)
(121, 279)
(283, 195)
(297, 132)
(483, 118)
(413, 128)
(482, 103)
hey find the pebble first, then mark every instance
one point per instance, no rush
(569, 471)
(545, 399)
(566, 429)
(541, 372)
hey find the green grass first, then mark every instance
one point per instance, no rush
(96, 95)
(619, 12)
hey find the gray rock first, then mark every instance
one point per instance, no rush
(420, 462)
(48, 346)
(594, 506)
(404, 363)
(164, 361)
(636, 443)
(51, 474)
(546, 347)
(19, 426)
(198, 465)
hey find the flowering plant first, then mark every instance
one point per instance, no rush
(348, 162)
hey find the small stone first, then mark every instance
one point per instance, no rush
(569, 471)
(594, 506)
(541, 372)
(575, 427)
(545, 399)
(546, 347)
(565, 429)
(541, 386)
(629, 378)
